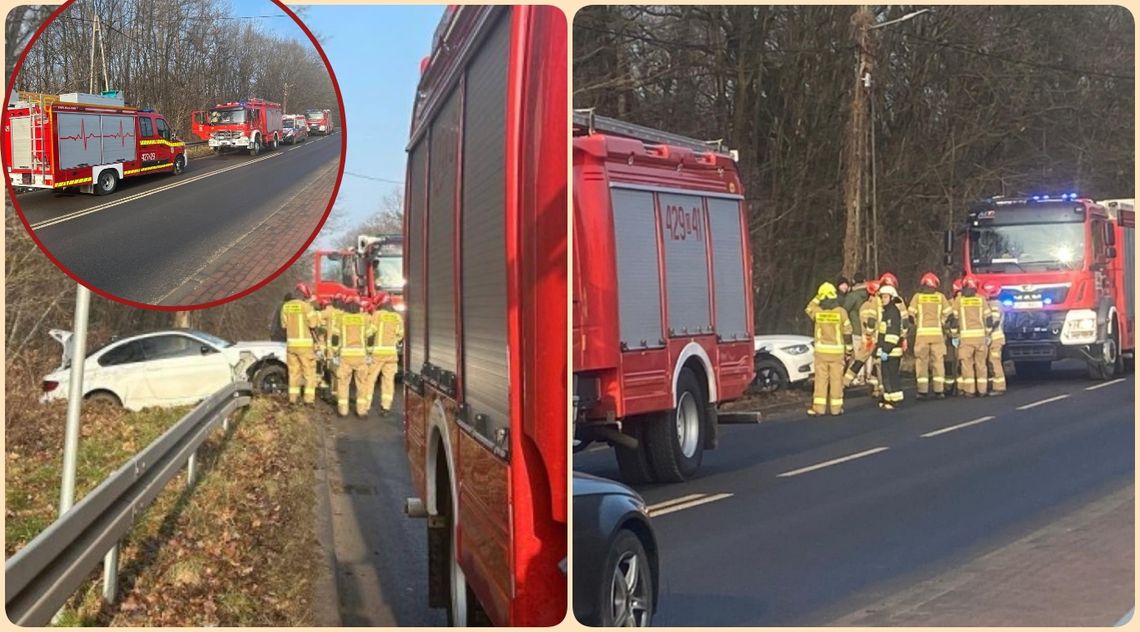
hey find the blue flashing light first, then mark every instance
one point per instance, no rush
(1008, 302)
(1037, 197)
(1047, 301)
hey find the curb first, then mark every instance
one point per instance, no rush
(326, 596)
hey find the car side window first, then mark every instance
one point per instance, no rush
(163, 130)
(145, 128)
(167, 347)
(128, 353)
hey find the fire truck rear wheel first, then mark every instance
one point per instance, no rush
(675, 440)
(107, 182)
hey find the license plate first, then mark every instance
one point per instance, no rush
(1028, 305)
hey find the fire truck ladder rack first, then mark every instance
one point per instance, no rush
(587, 122)
(40, 102)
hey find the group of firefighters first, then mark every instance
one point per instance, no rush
(344, 340)
(865, 328)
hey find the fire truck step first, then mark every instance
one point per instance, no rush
(739, 417)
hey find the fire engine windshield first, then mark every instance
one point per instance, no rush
(388, 271)
(336, 268)
(315, 115)
(1022, 247)
(227, 117)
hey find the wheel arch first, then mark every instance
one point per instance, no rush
(693, 355)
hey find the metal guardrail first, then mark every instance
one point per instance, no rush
(39, 579)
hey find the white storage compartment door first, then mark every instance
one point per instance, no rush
(638, 283)
(484, 249)
(119, 140)
(441, 233)
(683, 229)
(79, 140)
(728, 268)
(416, 334)
(21, 142)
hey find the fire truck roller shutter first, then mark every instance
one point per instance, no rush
(119, 142)
(441, 230)
(79, 142)
(414, 291)
(21, 127)
(484, 262)
(686, 264)
(638, 284)
(728, 269)
(1128, 250)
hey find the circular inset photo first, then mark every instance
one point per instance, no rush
(173, 156)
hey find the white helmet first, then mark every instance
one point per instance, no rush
(889, 290)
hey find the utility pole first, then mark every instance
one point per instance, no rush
(285, 101)
(855, 151)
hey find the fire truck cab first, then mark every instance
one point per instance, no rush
(374, 266)
(1065, 266)
(662, 295)
(89, 142)
(251, 125)
(319, 121)
(485, 349)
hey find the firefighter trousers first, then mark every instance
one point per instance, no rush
(972, 363)
(302, 364)
(383, 368)
(828, 384)
(352, 369)
(859, 361)
(997, 371)
(892, 383)
(929, 364)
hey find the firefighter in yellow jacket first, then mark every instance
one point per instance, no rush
(350, 334)
(971, 311)
(864, 353)
(299, 319)
(389, 327)
(996, 337)
(930, 309)
(832, 338)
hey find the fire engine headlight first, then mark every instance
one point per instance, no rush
(796, 349)
(1079, 327)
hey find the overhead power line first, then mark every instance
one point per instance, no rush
(375, 178)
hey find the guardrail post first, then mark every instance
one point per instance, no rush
(111, 575)
(191, 468)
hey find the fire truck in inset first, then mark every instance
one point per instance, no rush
(485, 349)
(374, 266)
(251, 125)
(1066, 269)
(320, 121)
(90, 142)
(662, 330)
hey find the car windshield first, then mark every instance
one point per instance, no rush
(388, 272)
(1017, 247)
(227, 117)
(287, 123)
(315, 116)
(210, 338)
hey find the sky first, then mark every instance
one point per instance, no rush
(375, 52)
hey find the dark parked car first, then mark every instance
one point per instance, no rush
(615, 555)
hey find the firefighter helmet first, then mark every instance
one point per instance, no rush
(827, 290)
(872, 287)
(970, 281)
(889, 279)
(930, 280)
(956, 285)
(991, 289)
(889, 290)
(304, 290)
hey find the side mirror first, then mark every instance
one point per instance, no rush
(948, 243)
(1111, 252)
(1109, 236)
(206, 350)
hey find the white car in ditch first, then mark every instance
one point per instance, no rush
(782, 361)
(172, 367)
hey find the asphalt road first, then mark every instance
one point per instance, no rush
(155, 232)
(799, 521)
(379, 555)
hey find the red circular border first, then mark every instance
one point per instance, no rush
(178, 308)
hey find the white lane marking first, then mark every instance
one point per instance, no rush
(689, 505)
(979, 420)
(1042, 402)
(102, 207)
(843, 459)
(1102, 385)
(675, 501)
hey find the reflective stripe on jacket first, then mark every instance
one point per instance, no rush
(971, 312)
(352, 331)
(298, 317)
(832, 331)
(389, 328)
(997, 332)
(930, 311)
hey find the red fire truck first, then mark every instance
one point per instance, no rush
(485, 416)
(662, 294)
(374, 266)
(86, 141)
(1065, 267)
(320, 121)
(253, 125)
